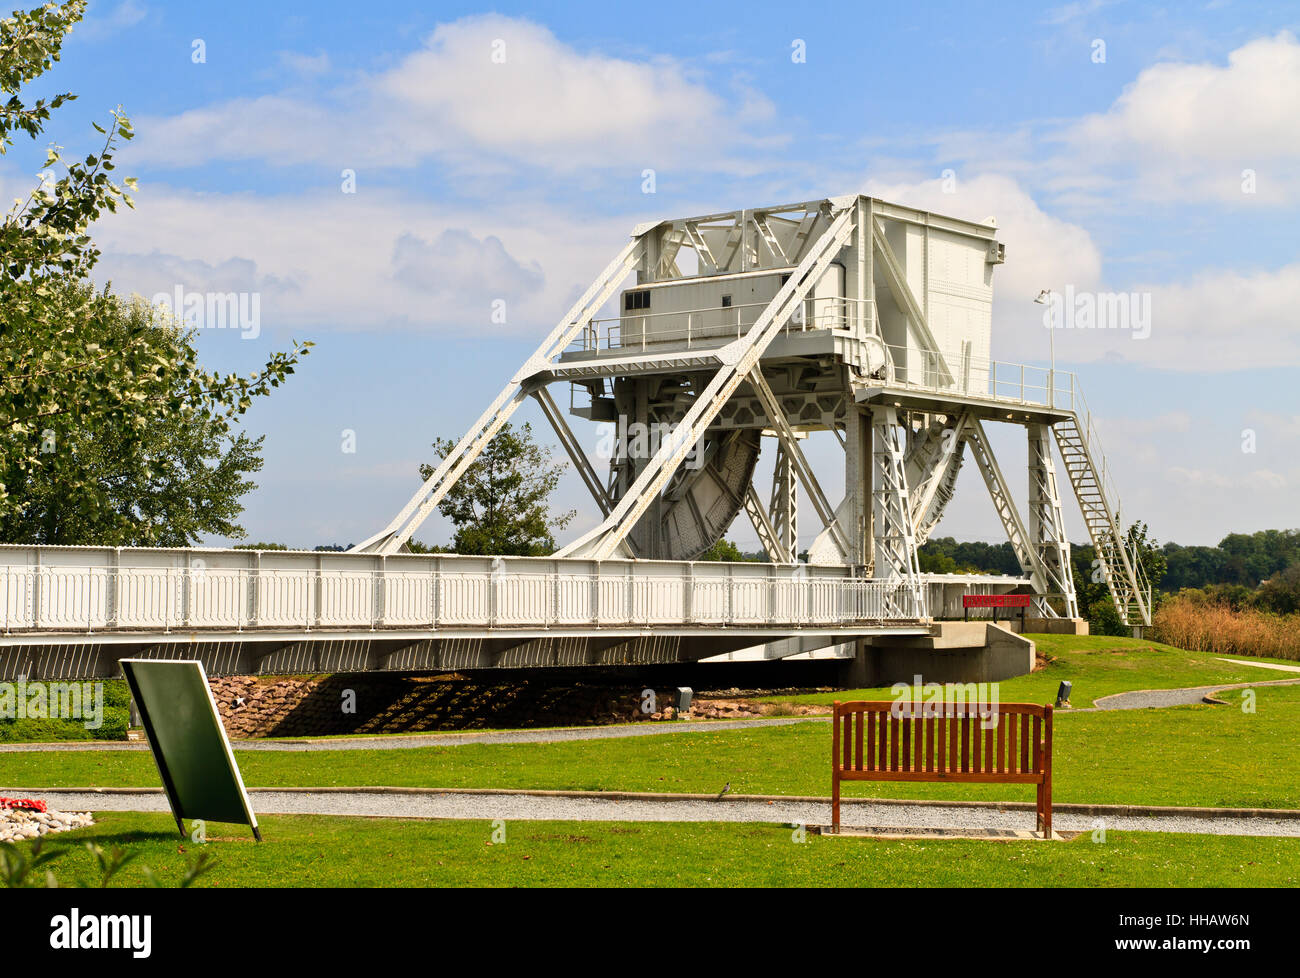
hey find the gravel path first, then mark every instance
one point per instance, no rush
(489, 806)
(1146, 698)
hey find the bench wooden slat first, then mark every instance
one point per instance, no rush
(941, 761)
(973, 777)
(1038, 747)
(857, 757)
(1001, 731)
(870, 724)
(954, 749)
(1011, 744)
(1024, 743)
(930, 726)
(965, 743)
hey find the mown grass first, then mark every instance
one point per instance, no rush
(1098, 666)
(1192, 755)
(317, 851)
(44, 729)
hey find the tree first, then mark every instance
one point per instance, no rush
(165, 484)
(1149, 555)
(500, 504)
(1280, 594)
(51, 370)
(1103, 619)
(727, 552)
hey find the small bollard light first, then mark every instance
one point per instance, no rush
(684, 696)
(1063, 694)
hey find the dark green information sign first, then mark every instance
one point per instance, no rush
(188, 741)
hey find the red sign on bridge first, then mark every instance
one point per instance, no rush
(995, 600)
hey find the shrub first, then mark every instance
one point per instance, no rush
(1188, 621)
(1103, 619)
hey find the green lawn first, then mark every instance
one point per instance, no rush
(1192, 755)
(113, 723)
(1097, 665)
(305, 850)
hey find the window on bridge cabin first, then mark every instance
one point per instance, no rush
(636, 300)
(726, 302)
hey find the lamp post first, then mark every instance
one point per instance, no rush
(1045, 299)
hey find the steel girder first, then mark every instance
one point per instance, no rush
(894, 541)
(570, 442)
(1046, 524)
(933, 464)
(1012, 523)
(768, 537)
(394, 536)
(794, 454)
(1046, 580)
(784, 507)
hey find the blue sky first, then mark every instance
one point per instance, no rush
(478, 181)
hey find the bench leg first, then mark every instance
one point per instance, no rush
(1047, 809)
(1038, 809)
(835, 805)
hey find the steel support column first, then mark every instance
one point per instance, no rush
(1046, 525)
(894, 540)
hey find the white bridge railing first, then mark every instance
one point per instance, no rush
(95, 599)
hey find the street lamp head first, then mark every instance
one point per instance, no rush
(1044, 297)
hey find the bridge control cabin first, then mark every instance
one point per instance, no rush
(707, 280)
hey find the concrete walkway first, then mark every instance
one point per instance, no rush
(623, 807)
(1260, 665)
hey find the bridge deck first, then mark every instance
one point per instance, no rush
(72, 612)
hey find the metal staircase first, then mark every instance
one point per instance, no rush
(1116, 559)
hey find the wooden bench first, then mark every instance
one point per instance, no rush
(907, 741)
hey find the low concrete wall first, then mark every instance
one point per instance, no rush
(955, 652)
(1057, 626)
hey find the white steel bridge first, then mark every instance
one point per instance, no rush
(849, 315)
(75, 610)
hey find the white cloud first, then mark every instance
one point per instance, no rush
(1189, 130)
(126, 14)
(371, 261)
(1256, 479)
(456, 261)
(306, 64)
(280, 129)
(1223, 320)
(1070, 12)
(1217, 319)
(1041, 249)
(1283, 426)
(481, 87)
